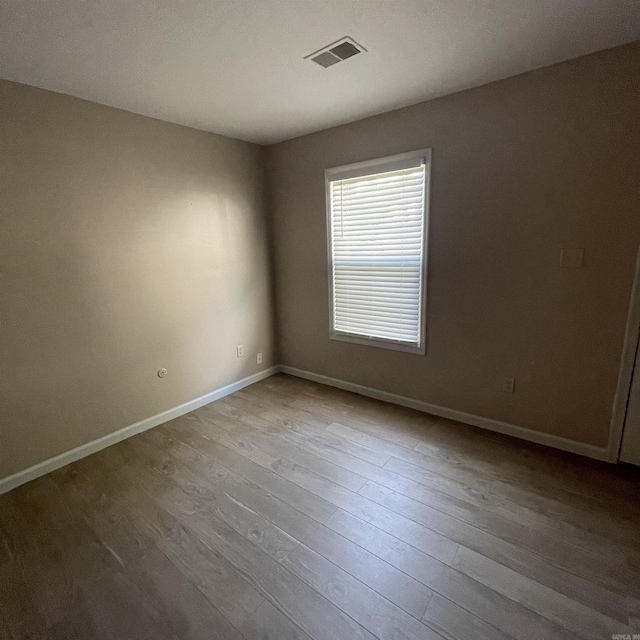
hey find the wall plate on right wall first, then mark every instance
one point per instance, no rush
(571, 258)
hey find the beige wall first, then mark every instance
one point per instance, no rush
(521, 168)
(126, 244)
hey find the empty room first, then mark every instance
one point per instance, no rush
(320, 320)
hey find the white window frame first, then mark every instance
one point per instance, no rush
(367, 167)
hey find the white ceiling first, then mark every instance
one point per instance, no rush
(236, 67)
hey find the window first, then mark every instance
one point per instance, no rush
(377, 221)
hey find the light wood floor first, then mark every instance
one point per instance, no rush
(293, 510)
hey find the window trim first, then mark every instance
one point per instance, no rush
(361, 169)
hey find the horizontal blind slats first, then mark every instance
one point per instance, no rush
(370, 326)
(388, 322)
(345, 292)
(377, 244)
(379, 206)
(388, 292)
(380, 200)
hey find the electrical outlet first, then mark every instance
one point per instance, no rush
(571, 258)
(239, 351)
(259, 358)
(508, 385)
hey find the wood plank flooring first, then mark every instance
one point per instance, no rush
(294, 511)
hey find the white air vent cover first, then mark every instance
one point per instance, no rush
(336, 52)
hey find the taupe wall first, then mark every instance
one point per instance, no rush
(521, 168)
(126, 245)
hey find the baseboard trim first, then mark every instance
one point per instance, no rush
(41, 469)
(590, 451)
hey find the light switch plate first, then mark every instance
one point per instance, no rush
(571, 258)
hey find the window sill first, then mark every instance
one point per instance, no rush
(382, 344)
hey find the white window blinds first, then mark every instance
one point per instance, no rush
(377, 231)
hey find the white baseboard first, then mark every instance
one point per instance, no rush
(590, 451)
(21, 477)
(41, 469)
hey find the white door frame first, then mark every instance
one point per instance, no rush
(629, 350)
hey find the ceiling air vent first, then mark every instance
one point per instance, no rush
(336, 52)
